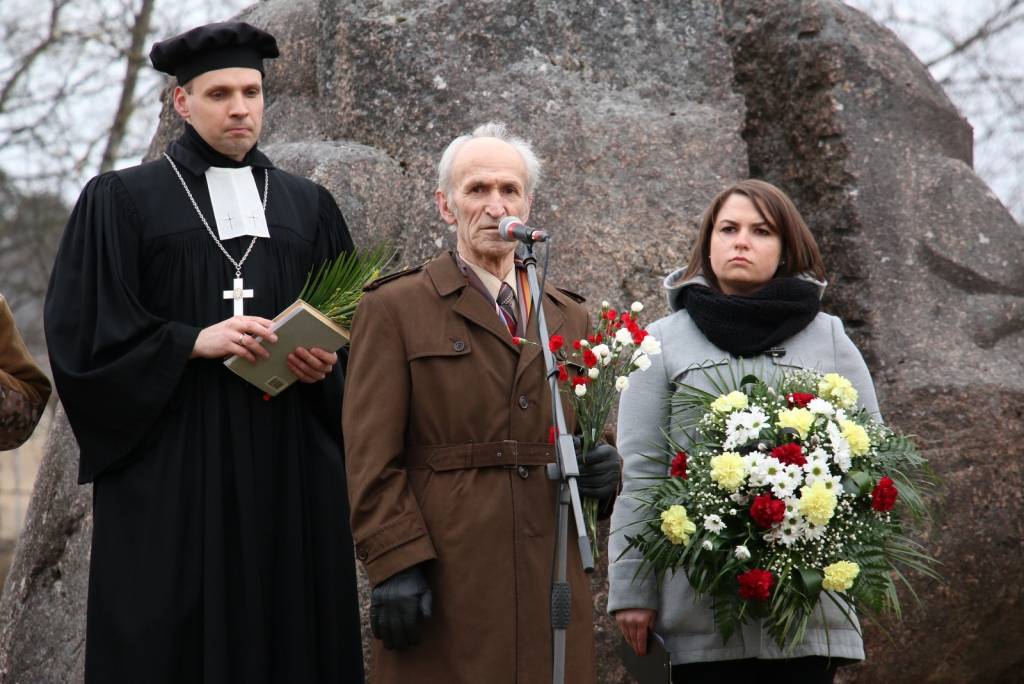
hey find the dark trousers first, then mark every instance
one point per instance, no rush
(810, 670)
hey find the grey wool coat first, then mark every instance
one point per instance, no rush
(686, 623)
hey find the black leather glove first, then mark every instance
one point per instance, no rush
(600, 472)
(397, 606)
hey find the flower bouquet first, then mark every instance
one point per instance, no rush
(593, 373)
(790, 495)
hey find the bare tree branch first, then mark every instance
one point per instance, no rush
(125, 108)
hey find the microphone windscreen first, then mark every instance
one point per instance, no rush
(506, 226)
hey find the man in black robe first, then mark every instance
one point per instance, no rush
(221, 549)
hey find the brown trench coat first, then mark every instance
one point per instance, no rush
(446, 437)
(24, 389)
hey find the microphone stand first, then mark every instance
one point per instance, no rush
(565, 470)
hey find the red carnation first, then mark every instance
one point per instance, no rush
(767, 510)
(755, 584)
(556, 342)
(610, 314)
(789, 454)
(799, 399)
(638, 336)
(883, 496)
(563, 373)
(589, 358)
(580, 380)
(577, 344)
(678, 468)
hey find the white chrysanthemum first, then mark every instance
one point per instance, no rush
(707, 545)
(821, 407)
(743, 426)
(840, 447)
(833, 483)
(621, 383)
(816, 467)
(624, 337)
(789, 534)
(713, 523)
(593, 373)
(742, 553)
(580, 390)
(819, 454)
(794, 473)
(812, 531)
(768, 470)
(642, 361)
(784, 482)
(650, 345)
(636, 307)
(758, 467)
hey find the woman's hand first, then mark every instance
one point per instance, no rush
(635, 623)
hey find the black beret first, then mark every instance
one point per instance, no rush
(213, 46)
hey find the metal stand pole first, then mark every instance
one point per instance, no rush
(565, 470)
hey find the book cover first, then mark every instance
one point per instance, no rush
(300, 325)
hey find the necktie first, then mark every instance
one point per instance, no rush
(507, 306)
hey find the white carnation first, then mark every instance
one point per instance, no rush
(636, 307)
(742, 553)
(580, 390)
(624, 337)
(642, 361)
(593, 373)
(650, 345)
(621, 383)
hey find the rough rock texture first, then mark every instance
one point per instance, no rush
(42, 612)
(642, 111)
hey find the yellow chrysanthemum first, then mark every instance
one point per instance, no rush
(857, 437)
(837, 389)
(840, 575)
(817, 503)
(728, 471)
(800, 419)
(676, 525)
(726, 403)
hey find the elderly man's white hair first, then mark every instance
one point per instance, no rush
(491, 129)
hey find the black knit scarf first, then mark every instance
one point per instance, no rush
(747, 325)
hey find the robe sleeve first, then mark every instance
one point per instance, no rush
(324, 398)
(115, 364)
(387, 523)
(24, 388)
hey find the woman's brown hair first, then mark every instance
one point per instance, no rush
(800, 252)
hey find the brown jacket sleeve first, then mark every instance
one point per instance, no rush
(386, 520)
(24, 389)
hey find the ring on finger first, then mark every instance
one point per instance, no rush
(241, 336)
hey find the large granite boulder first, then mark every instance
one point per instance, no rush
(642, 111)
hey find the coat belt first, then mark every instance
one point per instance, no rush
(509, 453)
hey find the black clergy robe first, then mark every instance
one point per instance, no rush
(221, 548)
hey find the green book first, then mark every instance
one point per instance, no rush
(300, 325)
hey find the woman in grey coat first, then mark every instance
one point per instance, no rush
(748, 297)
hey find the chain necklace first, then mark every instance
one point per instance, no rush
(238, 291)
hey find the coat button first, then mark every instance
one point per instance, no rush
(361, 554)
(458, 345)
(524, 402)
(524, 472)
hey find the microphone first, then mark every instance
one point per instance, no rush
(512, 229)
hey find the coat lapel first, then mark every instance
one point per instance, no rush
(471, 305)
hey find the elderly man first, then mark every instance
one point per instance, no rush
(221, 551)
(446, 422)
